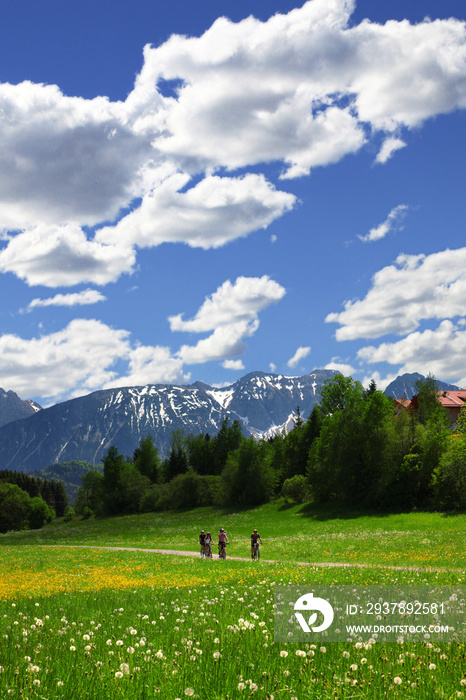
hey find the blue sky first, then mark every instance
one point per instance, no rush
(196, 191)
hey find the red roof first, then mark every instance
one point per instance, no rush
(403, 402)
(452, 399)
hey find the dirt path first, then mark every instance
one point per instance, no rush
(336, 565)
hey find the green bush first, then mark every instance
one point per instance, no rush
(182, 491)
(69, 514)
(39, 513)
(14, 507)
(449, 480)
(296, 488)
(210, 491)
(189, 490)
(151, 499)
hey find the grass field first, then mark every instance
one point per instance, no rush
(87, 623)
(299, 533)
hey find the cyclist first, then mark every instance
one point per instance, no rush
(222, 542)
(202, 542)
(208, 545)
(255, 537)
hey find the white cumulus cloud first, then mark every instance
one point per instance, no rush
(77, 359)
(415, 288)
(391, 223)
(233, 364)
(151, 365)
(213, 212)
(80, 358)
(88, 296)
(381, 382)
(303, 89)
(299, 355)
(231, 313)
(236, 302)
(56, 256)
(343, 367)
(64, 158)
(389, 147)
(440, 351)
(88, 355)
(255, 91)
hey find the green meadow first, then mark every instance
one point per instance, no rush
(307, 533)
(80, 622)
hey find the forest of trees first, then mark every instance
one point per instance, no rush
(68, 473)
(351, 449)
(29, 502)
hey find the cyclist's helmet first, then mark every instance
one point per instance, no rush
(202, 532)
(208, 533)
(222, 530)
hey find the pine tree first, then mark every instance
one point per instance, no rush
(146, 459)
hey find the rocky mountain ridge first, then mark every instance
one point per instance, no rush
(13, 408)
(84, 428)
(403, 387)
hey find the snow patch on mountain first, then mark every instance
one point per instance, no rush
(84, 428)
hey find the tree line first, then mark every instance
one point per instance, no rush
(369, 456)
(28, 501)
(352, 449)
(200, 470)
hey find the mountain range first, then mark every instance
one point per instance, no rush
(84, 428)
(403, 387)
(14, 408)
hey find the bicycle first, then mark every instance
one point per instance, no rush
(208, 551)
(222, 550)
(256, 553)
